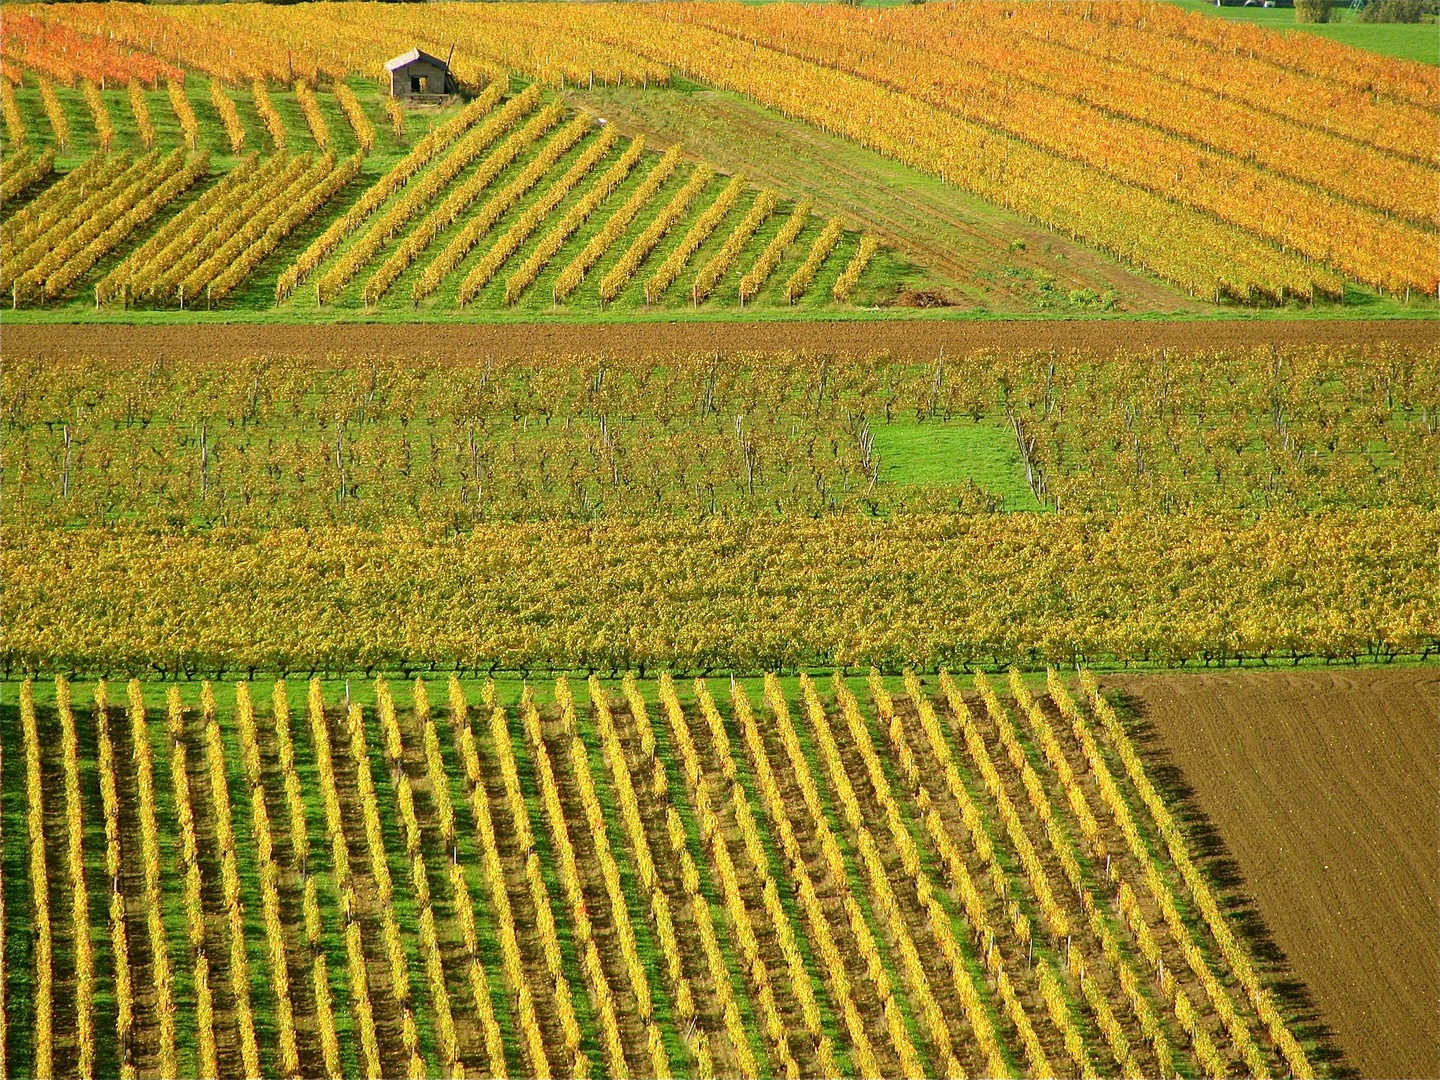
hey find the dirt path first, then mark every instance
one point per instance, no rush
(721, 795)
(605, 927)
(145, 1041)
(1323, 786)
(919, 338)
(831, 892)
(291, 889)
(525, 905)
(437, 850)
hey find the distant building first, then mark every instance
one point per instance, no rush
(418, 75)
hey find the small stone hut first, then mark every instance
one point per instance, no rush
(419, 76)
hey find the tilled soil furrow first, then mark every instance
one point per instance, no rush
(145, 1045)
(290, 887)
(919, 338)
(384, 1004)
(597, 905)
(453, 955)
(212, 896)
(65, 1049)
(522, 907)
(831, 893)
(1314, 792)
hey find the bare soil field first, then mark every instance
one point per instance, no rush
(920, 338)
(1323, 788)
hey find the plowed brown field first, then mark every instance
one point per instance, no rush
(1324, 786)
(920, 338)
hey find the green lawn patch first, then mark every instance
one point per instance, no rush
(952, 452)
(1408, 41)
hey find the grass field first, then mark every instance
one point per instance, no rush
(1409, 41)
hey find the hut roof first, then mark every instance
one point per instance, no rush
(410, 58)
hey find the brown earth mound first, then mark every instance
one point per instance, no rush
(1324, 787)
(922, 298)
(920, 338)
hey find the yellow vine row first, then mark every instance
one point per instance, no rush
(506, 244)
(104, 128)
(269, 115)
(799, 282)
(140, 108)
(666, 273)
(310, 107)
(79, 897)
(850, 276)
(774, 251)
(207, 1052)
(570, 277)
(562, 230)
(55, 113)
(150, 859)
(719, 263)
(643, 244)
(398, 175)
(355, 113)
(229, 115)
(44, 992)
(10, 110)
(419, 239)
(189, 126)
(418, 195)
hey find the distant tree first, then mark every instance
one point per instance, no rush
(1312, 11)
(1396, 11)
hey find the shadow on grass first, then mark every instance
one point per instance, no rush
(1218, 865)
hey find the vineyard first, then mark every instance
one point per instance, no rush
(835, 877)
(1236, 165)
(739, 513)
(284, 442)
(506, 582)
(512, 203)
